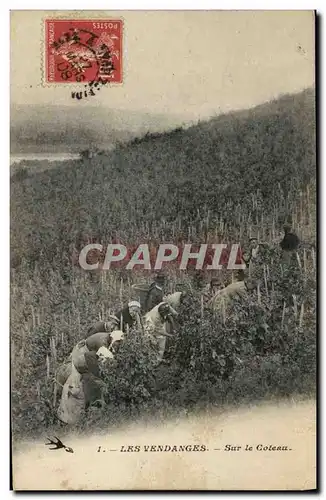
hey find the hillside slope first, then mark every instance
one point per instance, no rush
(225, 180)
(230, 171)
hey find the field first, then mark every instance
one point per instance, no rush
(224, 180)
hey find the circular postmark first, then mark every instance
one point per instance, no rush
(84, 52)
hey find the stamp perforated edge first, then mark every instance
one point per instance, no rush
(74, 86)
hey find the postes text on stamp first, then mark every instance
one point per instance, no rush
(83, 51)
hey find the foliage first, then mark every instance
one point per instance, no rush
(224, 180)
(20, 174)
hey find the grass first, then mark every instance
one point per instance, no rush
(224, 180)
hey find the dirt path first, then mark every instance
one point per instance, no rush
(281, 425)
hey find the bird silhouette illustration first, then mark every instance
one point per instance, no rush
(58, 444)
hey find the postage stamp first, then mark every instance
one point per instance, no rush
(83, 51)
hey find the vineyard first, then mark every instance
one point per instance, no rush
(231, 178)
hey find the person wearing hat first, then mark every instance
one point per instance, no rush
(289, 245)
(155, 326)
(215, 285)
(252, 253)
(199, 281)
(106, 340)
(211, 288)
(290, 241)
(155, 292)
(128, 316)
(88, 353)
(225, 296)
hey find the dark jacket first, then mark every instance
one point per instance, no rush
(290, 242)
(103, 326)
(154, 297)
(125, 319)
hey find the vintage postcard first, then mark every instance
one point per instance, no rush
(163, 250)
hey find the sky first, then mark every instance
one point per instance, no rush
(193, 64)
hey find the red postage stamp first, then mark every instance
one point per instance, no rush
(83, 51)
